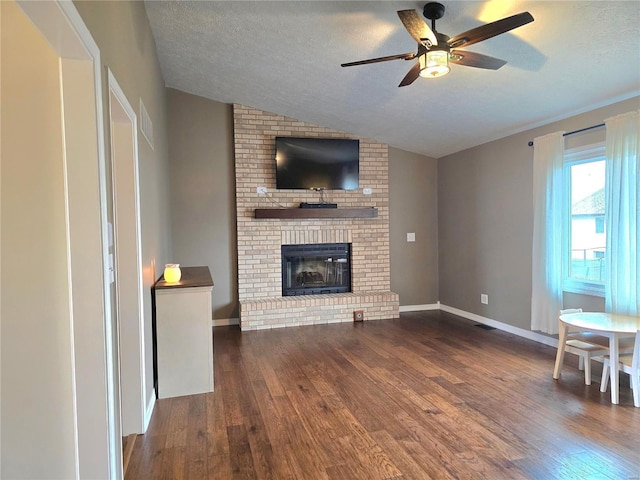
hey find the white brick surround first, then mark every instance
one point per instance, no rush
(259, 241)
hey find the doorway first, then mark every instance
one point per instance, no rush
(127, 254)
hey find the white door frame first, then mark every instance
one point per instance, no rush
(98, 449)
(125, 191)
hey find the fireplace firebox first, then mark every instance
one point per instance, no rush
(316, 269)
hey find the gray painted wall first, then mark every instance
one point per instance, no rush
(471, 213)
(203, 219)
(413, 207)
(485, 221)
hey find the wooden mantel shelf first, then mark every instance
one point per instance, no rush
(286, 213)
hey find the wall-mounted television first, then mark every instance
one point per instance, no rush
(317, 163)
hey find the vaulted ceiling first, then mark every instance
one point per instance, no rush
(284, 57)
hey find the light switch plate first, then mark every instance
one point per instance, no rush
(411, 237)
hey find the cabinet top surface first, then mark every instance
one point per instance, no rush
(191, 277)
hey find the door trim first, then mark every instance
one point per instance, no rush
(125, 191)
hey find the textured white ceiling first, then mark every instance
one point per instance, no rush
(284, 57)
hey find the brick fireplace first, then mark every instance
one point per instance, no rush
(260, 241)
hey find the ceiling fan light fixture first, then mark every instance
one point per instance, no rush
(436, 50)
(434, 63)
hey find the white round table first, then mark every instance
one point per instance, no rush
(607, 324)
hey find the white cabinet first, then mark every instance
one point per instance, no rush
(184, 334)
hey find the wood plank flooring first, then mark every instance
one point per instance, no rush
(426, 396)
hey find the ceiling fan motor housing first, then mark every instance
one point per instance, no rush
(433, 10)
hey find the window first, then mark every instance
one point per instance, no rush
(585, 239)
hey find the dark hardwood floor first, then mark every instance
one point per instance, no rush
(428, 395)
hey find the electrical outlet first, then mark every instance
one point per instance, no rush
(367, 191)
(484, 298)
(261, 190)
(411, 237)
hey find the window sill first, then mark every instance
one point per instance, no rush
(583, 288)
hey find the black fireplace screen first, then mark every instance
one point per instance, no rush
(316, 269)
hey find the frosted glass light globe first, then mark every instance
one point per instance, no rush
(172, 273)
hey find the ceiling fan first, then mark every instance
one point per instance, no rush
(436, 50)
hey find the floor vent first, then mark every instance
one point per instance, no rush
(485, 327)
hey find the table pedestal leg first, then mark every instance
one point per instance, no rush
(562, 338)
(615, 375)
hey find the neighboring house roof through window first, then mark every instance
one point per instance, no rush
(591, 205)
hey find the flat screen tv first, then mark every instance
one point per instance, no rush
(317, 163)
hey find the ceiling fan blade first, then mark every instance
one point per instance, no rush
(470, 59)
(410, 77)
(403, 56)
(489, 30)
(417, 27)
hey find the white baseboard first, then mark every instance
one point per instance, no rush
(420, 308)
(225, 322)
(149, 411)
(521, 332)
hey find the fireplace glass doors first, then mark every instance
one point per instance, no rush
(316, 269)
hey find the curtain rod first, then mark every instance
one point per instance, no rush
(575, 131)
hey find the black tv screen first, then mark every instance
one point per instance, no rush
(317, 163)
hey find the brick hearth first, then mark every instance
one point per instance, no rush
(259, 241)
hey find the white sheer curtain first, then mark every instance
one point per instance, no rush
(622, 288)
(548, 187)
